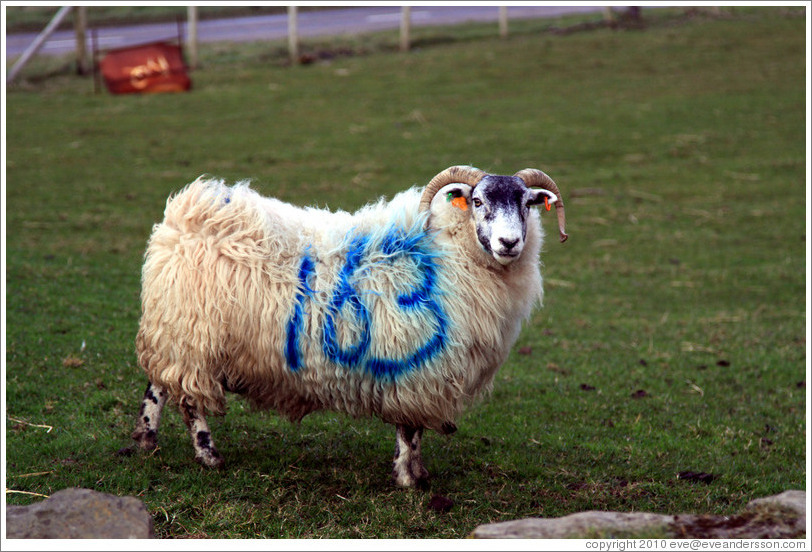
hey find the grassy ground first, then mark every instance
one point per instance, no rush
(673, 333)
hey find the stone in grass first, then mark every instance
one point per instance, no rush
(782, 516)
(583, 525)
(80, 514)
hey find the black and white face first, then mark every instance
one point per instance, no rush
(499, 208)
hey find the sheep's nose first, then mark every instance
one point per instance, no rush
(509, 244)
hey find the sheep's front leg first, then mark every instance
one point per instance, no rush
(205, 451)
(149, 417)
(407, 468)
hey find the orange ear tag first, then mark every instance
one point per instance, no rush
(460, 203)
(546, 203)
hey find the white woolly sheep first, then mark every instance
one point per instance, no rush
(403, 310)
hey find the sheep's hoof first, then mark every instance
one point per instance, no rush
(211, 460)
(417, 477)
(422, 481)
(412, 483)
(147, 440)
(405, 481)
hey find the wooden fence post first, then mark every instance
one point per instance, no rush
(503, 22)
(80, 27)
(293, 34)
(405, 28)
(191, 35)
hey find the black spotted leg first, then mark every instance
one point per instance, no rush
(149, 417)
(205, 451)
(407, 468)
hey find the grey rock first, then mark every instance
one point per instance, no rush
(793, 501)
(780, 516)
(582, 525)
(80, 514)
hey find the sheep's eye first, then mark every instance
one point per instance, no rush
(477, 202)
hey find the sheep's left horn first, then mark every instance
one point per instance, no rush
(458, 173)
(535, 178)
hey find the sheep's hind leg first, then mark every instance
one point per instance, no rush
(149, 417)
(408, 469)
(205, 451)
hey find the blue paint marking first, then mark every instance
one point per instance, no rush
(420, 297)
(306, 269)
(345, 293)
(346, 302)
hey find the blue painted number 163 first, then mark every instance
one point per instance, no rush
(345, 296)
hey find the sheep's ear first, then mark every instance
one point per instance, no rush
(540, 196)
(455, 195)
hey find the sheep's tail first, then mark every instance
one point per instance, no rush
(209, 206)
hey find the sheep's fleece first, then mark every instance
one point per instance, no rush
(382, 312)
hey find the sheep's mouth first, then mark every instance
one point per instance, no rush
(507, 257)
(502, 257)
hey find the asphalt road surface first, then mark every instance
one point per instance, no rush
(275, 27)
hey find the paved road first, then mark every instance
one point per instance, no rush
(274, 27)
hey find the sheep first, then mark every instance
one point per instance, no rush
(403, 310)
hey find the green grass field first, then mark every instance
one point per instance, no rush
(673, 332)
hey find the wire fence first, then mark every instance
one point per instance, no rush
(405, 17)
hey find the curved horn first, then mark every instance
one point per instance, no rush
(535, 178)
(458, 173)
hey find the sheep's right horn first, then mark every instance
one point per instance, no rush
(535, 178)
(458, 173)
